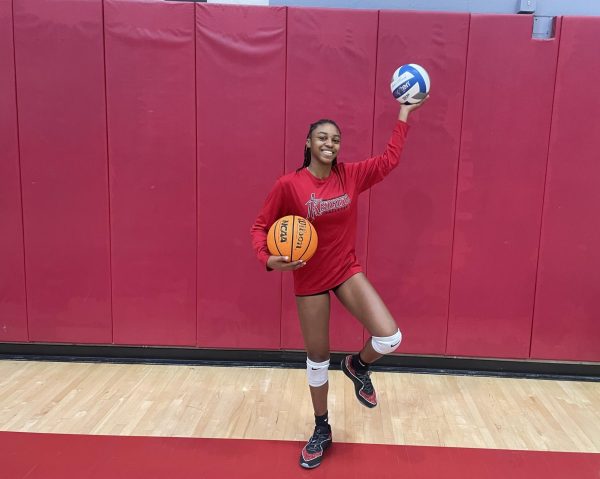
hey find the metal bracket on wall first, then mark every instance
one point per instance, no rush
(543, 27)
(526, 6)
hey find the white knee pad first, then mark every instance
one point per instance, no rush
(386, 344)
(317, 373)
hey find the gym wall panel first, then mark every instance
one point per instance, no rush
(151, 140)
(13, 312)
(412, 210)
(62, 130)
(506, 123)
(567, 304)
(240, 65)
(331, 58)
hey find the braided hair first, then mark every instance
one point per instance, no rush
(313, 126)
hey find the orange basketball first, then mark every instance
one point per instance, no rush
(292, 236)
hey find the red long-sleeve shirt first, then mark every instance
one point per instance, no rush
(330, 204)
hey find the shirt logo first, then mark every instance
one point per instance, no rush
(317, 206)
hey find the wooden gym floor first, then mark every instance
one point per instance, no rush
(263, 403)
(184, 401)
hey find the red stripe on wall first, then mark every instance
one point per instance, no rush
(508, 103)
(152, 144)
(412, 211)
(240, 85)
(13, 315)
(62, 131)
(568, 301)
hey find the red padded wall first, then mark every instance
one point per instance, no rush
(62, 130)
(206, 105)
(240, 65)
(567, 302)
(331, 58)
(152, 147)
(508, 103)
(13, 315)
(412, 211)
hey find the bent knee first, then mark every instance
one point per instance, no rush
(386, 344)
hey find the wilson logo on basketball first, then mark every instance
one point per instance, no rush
(301, 231)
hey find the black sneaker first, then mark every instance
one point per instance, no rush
(363, 387)
(312, 453)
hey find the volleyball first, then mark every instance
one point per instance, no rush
(410, 84)
(292, 236)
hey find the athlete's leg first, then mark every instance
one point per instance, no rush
(313, 312)
(360, 298)
(358, 295)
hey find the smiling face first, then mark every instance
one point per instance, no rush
(324, 143)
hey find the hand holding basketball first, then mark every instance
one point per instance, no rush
(292, 237)
(283, 263)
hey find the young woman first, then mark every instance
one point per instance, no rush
(327, 193)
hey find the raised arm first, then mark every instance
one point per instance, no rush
(373, 170)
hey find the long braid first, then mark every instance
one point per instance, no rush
(307, 156)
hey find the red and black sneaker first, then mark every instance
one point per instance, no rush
(363, 387)
(312, 453)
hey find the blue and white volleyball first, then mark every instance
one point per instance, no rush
(410, 84)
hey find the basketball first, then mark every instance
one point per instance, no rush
(292, 236)
(410, 84)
